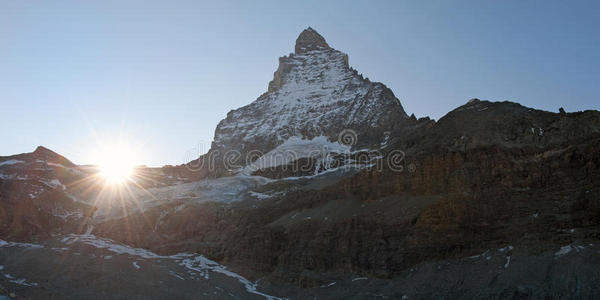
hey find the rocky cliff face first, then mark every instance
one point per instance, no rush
(33, 194)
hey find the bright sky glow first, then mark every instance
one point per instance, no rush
(116, 163)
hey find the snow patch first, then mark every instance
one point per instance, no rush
(20, 281)
(564, 250)
(226, 189)
(259, 196)
(4, 243)
(191, 261)
(65, 214)
(176, 275)
(293, 149)
(359, 278)
(54, 183)
(11, 162)
(102, 243)
(202, 264)
(479, 255)
(23, 281)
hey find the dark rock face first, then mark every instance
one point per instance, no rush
(310, 40)
(33, 196)
(482, 179)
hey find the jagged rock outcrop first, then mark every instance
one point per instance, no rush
(310, 40)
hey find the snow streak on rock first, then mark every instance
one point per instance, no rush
(191, 261)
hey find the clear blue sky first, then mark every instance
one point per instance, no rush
(163, 73)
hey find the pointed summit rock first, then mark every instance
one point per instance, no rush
(310, 40)
(40, 154)
(45, 154)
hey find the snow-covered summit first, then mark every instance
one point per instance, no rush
(314, 92)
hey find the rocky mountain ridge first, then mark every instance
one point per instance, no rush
(506, 195)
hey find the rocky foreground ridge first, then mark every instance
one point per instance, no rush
(506, 196)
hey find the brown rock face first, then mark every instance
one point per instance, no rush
(33, 197)
(310, 40)
(503, 184)
(50, 156)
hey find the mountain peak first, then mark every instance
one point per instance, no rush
(313, 94)
(308, 40)
(42, 149)
(48, 155)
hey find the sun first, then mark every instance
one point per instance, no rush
(116, 164)
(115, 172)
